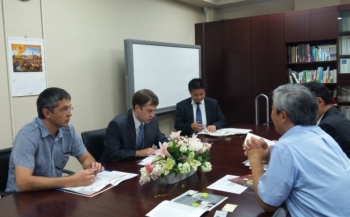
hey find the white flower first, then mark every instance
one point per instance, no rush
(184, 168)
(183, 149)
(195, 145)
(206, 167)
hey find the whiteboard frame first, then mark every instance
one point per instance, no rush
(130, 73)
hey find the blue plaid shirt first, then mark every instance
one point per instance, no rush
(36, 149)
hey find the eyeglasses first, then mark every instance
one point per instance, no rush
(65, 110)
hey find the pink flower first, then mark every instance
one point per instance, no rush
(163, 150)
(193, 139)
(175, 135)
(149, 168)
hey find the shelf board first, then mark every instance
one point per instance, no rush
(314, 63)
(345, 33)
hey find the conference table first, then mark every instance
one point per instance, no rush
(129, 198)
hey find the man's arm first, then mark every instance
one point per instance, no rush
(181, 122)
(256, 156)
(26, 181)
(219, 120)
(89, 162)
(116, 142)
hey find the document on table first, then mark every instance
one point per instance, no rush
(146, 160)
(225, 132)
(103, 181)
(250, 135)
(224, 184)
(190, 204)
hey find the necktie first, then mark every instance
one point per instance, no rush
(140, 138)
(198, 113)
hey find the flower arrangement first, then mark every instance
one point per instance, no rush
(179, 156)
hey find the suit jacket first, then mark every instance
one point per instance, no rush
(120, 139)
(338, 127)
(184, 115)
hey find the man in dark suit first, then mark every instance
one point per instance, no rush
(133, 133)
(330, 119)
(197, 112)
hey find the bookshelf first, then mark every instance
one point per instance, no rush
(312, 61)
(343, 87)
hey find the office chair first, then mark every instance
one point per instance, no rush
(4, 169)
(281, 212)
(94, 142)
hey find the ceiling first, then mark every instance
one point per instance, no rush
(221, 3)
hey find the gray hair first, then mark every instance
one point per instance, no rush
(298, 102)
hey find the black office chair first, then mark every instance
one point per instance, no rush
(4, 169)
(282, 211)
(94, 142)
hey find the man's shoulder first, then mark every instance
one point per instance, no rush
(184, 102)
(334, 117)
(30, 127)
(122, 118)
(210, 100)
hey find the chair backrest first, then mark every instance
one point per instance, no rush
(94, 142)
(4, 167)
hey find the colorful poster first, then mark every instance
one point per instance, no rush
(26, 66)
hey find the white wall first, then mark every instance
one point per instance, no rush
(277, 6)
(84, 43)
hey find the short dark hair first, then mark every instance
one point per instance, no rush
(321, 91)
(49, 99)
(142, 97)
(196, 83)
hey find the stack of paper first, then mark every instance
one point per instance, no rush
(225, 132)
(103, 181)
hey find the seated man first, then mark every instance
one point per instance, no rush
(329, 118)
(42, 148)
(307, 169)
(197, 112)
(133, 133)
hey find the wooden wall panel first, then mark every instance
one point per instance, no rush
(268, 57)
(323, 23)
(236, 71)
(297, 26)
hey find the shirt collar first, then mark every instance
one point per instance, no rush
(44, 131)
(201, 102)
(319, 120)
(137, 122)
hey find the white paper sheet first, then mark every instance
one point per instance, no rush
(224, 184)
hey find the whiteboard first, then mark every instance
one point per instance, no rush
(164, 68)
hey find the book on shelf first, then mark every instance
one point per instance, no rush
(225, 132)
(246, 181)
(102, 182)
(302, 53)
(189, 204)
(344, 66)
(319, 75)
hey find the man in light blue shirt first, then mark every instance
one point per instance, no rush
(42, 148)
(307, 169)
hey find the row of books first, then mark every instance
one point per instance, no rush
(345, 109)
(319, 75)
(306, 53)
(344, 66)
(345, 22)
(345, 45)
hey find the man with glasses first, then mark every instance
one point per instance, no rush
(133, 133)
(42, 148)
